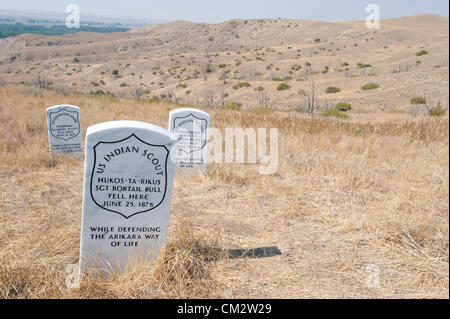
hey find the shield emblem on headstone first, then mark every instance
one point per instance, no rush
(191, 133)
(129, 176)
(64, 124)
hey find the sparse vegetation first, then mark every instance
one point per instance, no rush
(244, 84)
(334, 113)
(283, 87)
(343, 107)
(332, 89)
(363, 65)
(232, 106)
(438, 110)
(421, 52)
(417, 100)
(370, 86)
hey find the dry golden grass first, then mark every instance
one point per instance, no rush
(347, 194)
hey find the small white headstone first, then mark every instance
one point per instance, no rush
(64, 130)
(191, 128)
(127, 193)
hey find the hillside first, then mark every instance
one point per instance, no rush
(209, 64)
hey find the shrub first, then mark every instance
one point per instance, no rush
(98, 92)
(334, 113)
(123, 84)
(417, 100)
(288, 78)
(332, 89)
(343, 107)
(437, 111)
(244, 84)
(222, 66)
(370, 86)
(283, 87)
(422, 52)
(231, 106)
(362, 66)
(76, 60)
(115, 72)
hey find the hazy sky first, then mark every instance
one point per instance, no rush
(217, 11)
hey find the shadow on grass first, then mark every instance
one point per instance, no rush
(262, 252)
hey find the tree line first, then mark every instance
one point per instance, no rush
(8, 30)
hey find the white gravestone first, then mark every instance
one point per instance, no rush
(64, 130)
(191, 128)
(127, 193)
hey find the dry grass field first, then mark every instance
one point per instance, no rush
(348, 193)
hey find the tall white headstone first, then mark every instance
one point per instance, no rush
(64, 130)
(191, 128)
(127, 193)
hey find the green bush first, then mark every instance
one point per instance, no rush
(343, 107)
(334, 113)
(288, 78)
(362, 66)
(417, 100)
(123, 84)
(370, 86)
(283, 87)
(222, 66)
(422, 52)
(231, 106)
(115, 72)
(244, 84)
(332, 89)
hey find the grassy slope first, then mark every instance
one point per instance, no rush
(346, 195)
